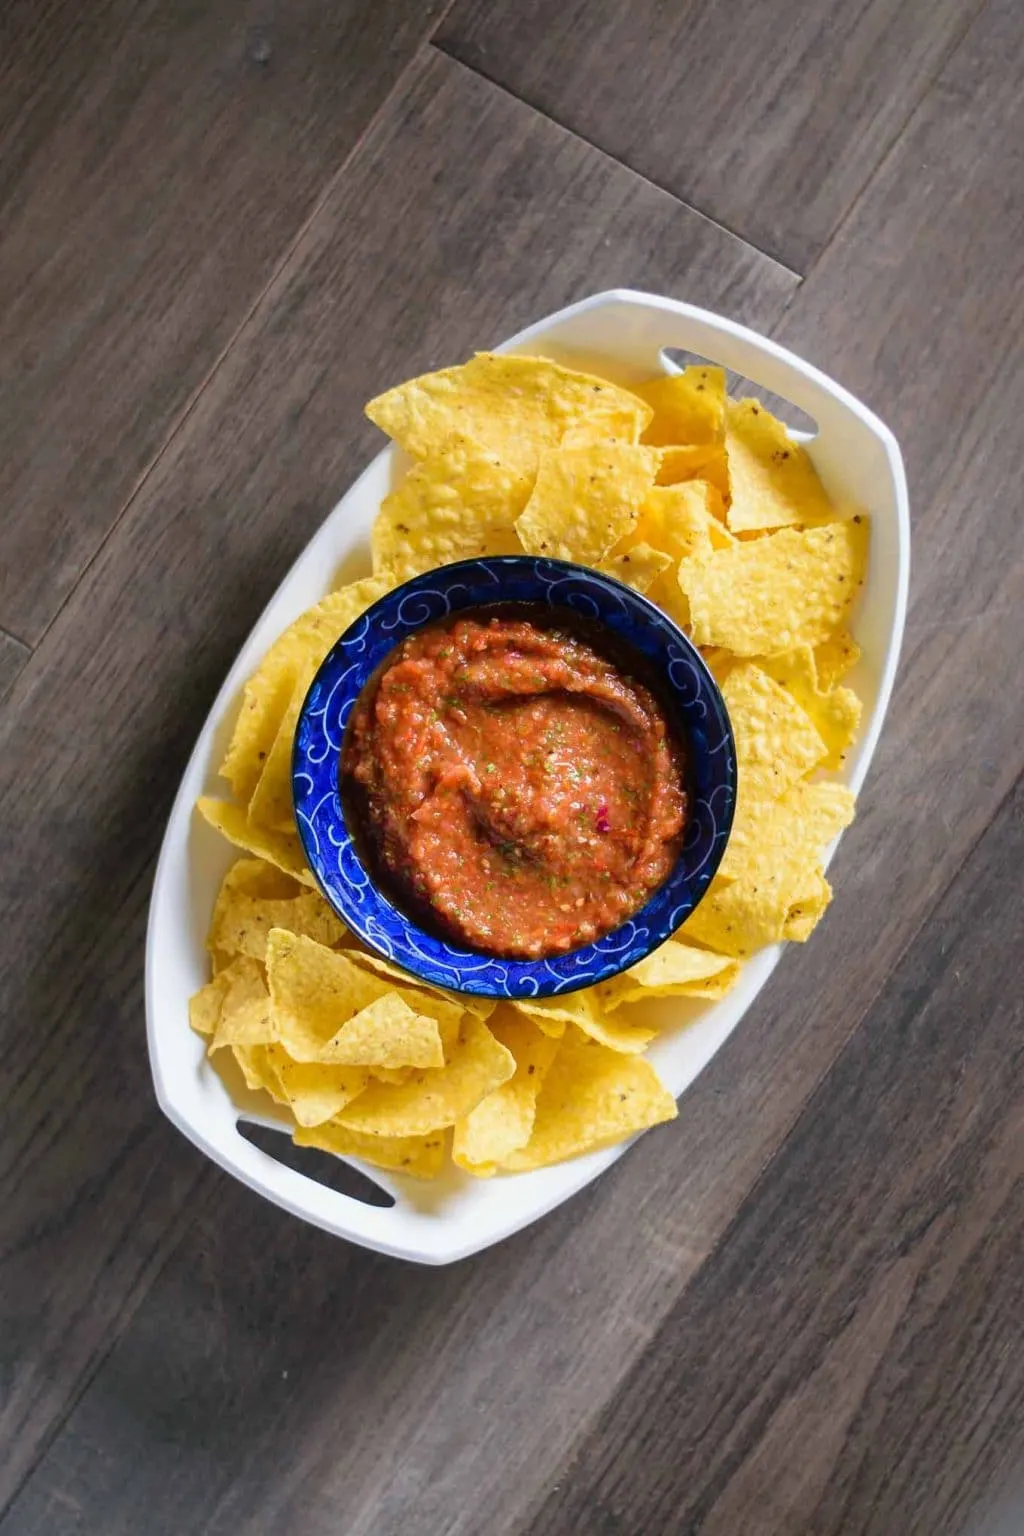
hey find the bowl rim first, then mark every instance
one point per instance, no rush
(348, 885)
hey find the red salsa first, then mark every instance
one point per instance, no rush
(518, 789)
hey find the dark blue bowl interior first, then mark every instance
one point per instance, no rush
(328, 840)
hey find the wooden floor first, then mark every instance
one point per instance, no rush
(223, 225)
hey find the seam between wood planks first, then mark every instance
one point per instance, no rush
(179, 422)
(453, 58)
(934, 79)
(741, 1212)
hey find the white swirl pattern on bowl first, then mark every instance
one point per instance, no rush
(328, 843)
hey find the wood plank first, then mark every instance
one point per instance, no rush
(155, 164)
(852, 1359)
(13, 656)
(392, 1374)
(451, 1401)
(447, 231)
(768, 119)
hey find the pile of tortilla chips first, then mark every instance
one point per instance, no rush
(710, 507)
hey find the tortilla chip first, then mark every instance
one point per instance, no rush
(615, 421)
(257, 1069)
(772, 480)
(241, 921)
(452, 1004)
(763, 596)
(391, 1074)
(458, 505)
(673, 970)
(639, 566)
(419, 1156)
(315, 1091)
(682, 520)
(585, 500)
(271, 805)
(808, 910)
(245, 1016)
(689, 407)
(503, 1122)
(737, 917)
(267, 694)
(204, 1006)
(836, 713)
(583, 1009)
(834, 657)
(794, 828)
(257, 879)
(590, 1097)
(776, 741)
(281, 849)
(387, 1033)
(514, 407)
(431, 1099)
(700, 461)
(317, 990)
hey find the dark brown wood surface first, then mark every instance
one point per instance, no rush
(157, 161)
(13, 656)
(798, 1308)
(767, 116)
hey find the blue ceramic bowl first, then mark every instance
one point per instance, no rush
(327, 837)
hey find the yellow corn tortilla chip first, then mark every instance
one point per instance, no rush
(204, 1006)
(241, 922)
(834, 657)
(613, 421)
(808, 910)
(776, 741)
(689, 407)
(315, 1091)
(583, 1009)
(585, 500)
(315, 991)
(772, 480)
(245, 1016)
(278, 848)
(446, 1007)
(502, 1122)
(719, 662)
(271, 805)
(737, 917)
(673, 970)
(835, 713)
(268, 692)
(259, 880)
(391, 1074)
(419, 1156)
(431, 1099)
(763, 596)
(458, 505)
(590, 1097)
(514, 407)
(695, 461)
(639, 566)
(794, 827)
(681, 520)
(387, 1033)
(255, 1066)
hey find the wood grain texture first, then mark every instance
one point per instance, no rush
(101, 722)
(13, 656)
(851, 1362)
(416, 1403)
(767, 117)
(155, 164)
